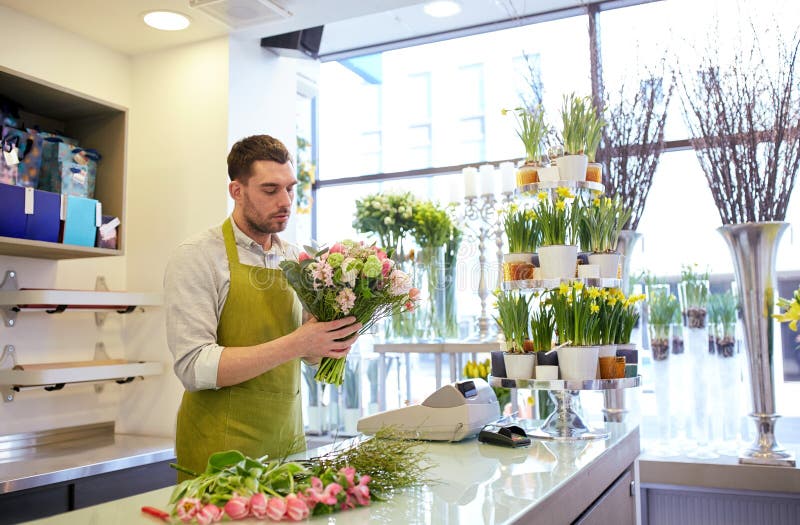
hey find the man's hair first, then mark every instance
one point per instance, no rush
(251, 149)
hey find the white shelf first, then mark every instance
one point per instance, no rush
(84, 299)
(24, 376)
(447, 347)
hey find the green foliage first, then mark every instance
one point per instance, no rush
(388, 217)
(558, 219)
(694, 285)
(513, 309)
(581, 125)
(522, 229)
(662, 307)
(543, 323)
(432, 225)
(576, 308)
(531, 129)
(601, 221)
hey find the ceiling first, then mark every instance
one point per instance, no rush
(349, 24)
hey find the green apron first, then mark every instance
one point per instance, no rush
(262, 415)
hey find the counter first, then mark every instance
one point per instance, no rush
(474, 483)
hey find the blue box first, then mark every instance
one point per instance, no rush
(44, 223)
(12, 211)
(80, 221)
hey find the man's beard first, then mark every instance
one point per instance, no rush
(264, 226)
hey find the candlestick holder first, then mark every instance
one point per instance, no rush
(482, 212)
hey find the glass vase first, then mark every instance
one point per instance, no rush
(693, 297)
(401, 327)
(431, 315)
(451, 330)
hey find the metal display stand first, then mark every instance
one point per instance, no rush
(565, 424)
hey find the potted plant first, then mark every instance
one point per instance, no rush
(578, 116)
(693, 294)
(522, 231)
(594, 133)
(612, 303)
(629, 316)
(531, 130)
(513, 312)
(542, 329)
(662, 308)
(576, 312)
(601, 223)
(725, 310)
(558, 220)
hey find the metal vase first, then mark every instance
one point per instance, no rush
(754, 247)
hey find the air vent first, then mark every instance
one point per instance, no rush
(242, 13)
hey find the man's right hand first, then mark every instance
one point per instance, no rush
(317, 339)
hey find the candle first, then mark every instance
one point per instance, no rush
(509, 173)
(456, 189)
(470, 182)
(487, 177)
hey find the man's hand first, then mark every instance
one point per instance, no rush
(316, 339)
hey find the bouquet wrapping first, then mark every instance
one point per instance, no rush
(349, 279)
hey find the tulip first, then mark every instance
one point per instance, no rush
(258, 505)
(337, 248)
(329, 494)
(361, 493)
(237, 508)
(276, 508)
(303, 257)
(349, 474)
(296, 509)
(209, 514)
(187, 509)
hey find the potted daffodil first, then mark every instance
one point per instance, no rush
(581, 129)
(523, 235)
(531, 130)
(513, 313)
(601, 222)
(558, 219)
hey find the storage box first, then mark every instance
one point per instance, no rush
(107, 233)
(80, 220)
(12, 211)
(30, 165)
(44, 223)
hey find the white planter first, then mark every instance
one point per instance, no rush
(572, 167)
(519, 366)
(548, 174)
(546, 372)
(351, 417)
(587, 271)
(558, 262)
(578, 363)
(608, 263)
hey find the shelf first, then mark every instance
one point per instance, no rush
(552, 185)
(50, 250)
(46, 374)
(41, 299)
(570, 385)
(549, 284)
(447, 347)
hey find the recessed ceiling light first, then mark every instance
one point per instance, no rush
(166, 20)
(442, 8)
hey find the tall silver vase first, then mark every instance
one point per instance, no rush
(754, 247)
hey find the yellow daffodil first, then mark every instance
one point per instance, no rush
(791, 316)
(542, 196)
(611, 301)
(560, 205)
(594, 308)
(593, 292)
(504, 112)
(563, 289)
(563, 192)
(596, 202)
(578, 285)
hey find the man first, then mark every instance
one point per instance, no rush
(234, 324)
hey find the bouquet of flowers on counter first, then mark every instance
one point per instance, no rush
(349, 279)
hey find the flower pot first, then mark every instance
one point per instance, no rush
(619, 367)
(527, 174)
(607, 367)
(589, 271)
(558, 261)
(498, 364)
(548, 173)
(519, 366)
(572, 167)
(594, 172)
(547, 358)
(351, 417)
(608, 263)
(517, 266)
(546, 372)
(606, 351)
(578, 363)
(629, 352)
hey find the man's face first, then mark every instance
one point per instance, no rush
(266, 198)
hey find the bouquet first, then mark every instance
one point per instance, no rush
(389, 217)
(349, 279)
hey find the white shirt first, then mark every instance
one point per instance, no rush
(196, 284)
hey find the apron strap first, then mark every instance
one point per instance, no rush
(230, 243)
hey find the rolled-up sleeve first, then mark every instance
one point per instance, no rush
(192, 298)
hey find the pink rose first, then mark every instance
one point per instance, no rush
(209, 514)
(361, 493)
(381, 255)
(386, 268)
(296, 509)
(413, 294)
(276, 509)
(349, 474)
(329, 494)
(337, 248)
(187, 509)
(237, 508)
(258, 505)
(303, 257)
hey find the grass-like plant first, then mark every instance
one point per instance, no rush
(558, 219)
(601, 222)
(695, 287)
(581, 125)
(724, 307)
(542, 327)
(662, 309)
(531, 130)
(513, 312)
(628, 318)
(522, 229)
(576, 312)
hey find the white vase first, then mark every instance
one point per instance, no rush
(351, 417)
(519, 366)
(558, 261)
(572, 167)
(608, 263)
(548, 174)
(578, 363)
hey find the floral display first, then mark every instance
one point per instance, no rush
(521, 229)
(349, 279)
(513, 309)
(558, 220)
(628, 317)
(388, 217)
(601, 222)
(576, 308)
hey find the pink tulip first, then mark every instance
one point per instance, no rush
(258, 505)
(361, 493)
(386, 268)
(276, 508)
(303, 257)
(187, 509)
(364, 479)
(329, 494)
(337, 248)
(349, 474)
(348, 503)
(296, 509)
(209, 514)
(237, 508)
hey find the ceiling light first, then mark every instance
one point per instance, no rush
(442, 8)
(166, 20)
